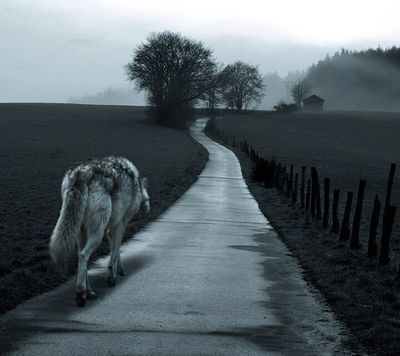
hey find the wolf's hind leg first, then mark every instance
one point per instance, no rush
(116, 235)
(90, 294)
(92, 244)
(120, 270)
(95, 224)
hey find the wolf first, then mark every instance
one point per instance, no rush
(99, 197)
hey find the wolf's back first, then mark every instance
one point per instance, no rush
(64, 237)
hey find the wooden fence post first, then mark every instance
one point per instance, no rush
(389, 187)
(276, 181)
(290, 182)
(278, 177)
(284, 175)
(313, 192)
(325, 221)
(345, 229)
(295, 189)
(287, 184)
(274, 173)
(335, 215)
(318, 200)
(388, 221)
(373, 229)
(315, 195)
(355, 233)
(386, 229)
(303, 186)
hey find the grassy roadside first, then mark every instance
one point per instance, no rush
(38, 143)
(363, 296)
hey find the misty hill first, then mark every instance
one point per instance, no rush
(364, 80)
(111, 96)
(347, 80)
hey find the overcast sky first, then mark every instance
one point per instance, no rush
(51, 50)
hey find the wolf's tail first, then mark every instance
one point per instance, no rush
(65, 234)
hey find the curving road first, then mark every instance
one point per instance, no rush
(209, 277)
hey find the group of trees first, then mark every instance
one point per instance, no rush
(176, 72)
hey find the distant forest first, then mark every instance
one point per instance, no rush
(111, 96)
(347, 80)
(358, 80)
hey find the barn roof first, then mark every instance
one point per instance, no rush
(313, 99)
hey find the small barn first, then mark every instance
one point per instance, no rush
(313, 103)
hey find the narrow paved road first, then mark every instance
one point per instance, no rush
(209, 277)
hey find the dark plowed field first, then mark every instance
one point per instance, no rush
(342, 146)
(38, 142)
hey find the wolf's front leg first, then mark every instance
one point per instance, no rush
(115, 238)
(120, 270)
(90, 293)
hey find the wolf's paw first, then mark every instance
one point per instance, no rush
(111, 281)
(80, 298)
(91, 295)
(121, 272)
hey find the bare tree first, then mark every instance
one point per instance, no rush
(300, 90)
(174, 72)
(213, 95)
(243, 86)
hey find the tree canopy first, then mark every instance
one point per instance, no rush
(243, 86)
(174, 72)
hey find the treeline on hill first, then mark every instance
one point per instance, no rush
(358, 80)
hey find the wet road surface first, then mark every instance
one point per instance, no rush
(209, 277)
